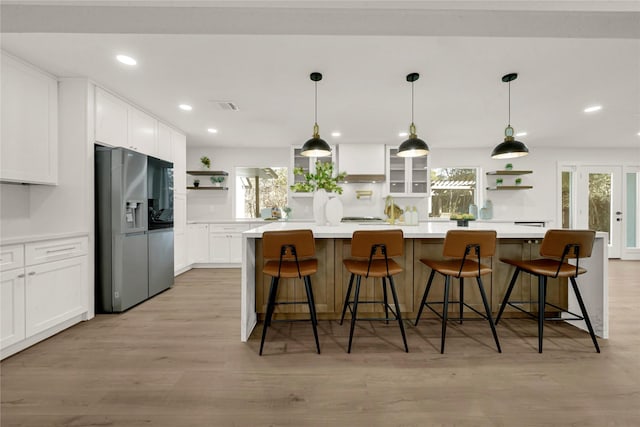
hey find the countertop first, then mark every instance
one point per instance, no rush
(423, 230)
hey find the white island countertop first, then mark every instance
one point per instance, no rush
(423, 230)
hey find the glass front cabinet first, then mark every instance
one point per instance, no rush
(406, 176)
(308, 164)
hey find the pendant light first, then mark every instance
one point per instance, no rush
(414, 146)
(509, 148)
(316, 146)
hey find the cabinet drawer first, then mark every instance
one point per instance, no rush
(11, 257)
(54, 250)
(228, 228)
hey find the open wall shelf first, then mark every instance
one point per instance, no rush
(208, 173)
(509, 172)
(510, 187)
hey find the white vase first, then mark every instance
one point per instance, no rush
(333, 210)
(320, 199)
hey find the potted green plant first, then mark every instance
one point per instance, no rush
(518, 181)
(499, 181)
(322, 179)
(509, 166)
(217, 180)
(206, 162)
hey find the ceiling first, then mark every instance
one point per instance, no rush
(259, 55)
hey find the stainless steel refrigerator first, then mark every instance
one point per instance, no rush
(131, 263)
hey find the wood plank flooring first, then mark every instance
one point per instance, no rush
(177, 360)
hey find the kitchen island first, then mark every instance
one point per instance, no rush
(423, 240)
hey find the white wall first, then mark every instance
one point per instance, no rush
(538, 203)
(219, 204)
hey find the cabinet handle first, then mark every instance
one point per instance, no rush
(32, 273)
(50, 251)
(20, 276)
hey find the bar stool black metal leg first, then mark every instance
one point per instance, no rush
(424, 297)
(488, 311)
(355, 312)
(386, 302)
(445, 309)
(346, 299)
(505, 300)
(461, 299)
(541, 305)
(312, 310)
(313, 301)
(584, 313)
(273, 290)
(398, 315)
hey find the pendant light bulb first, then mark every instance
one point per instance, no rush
(509, 148)
(316, 146)
(414, 146)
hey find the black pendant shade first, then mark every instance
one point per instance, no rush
(316, 146)
(509, 148)
(414, 146)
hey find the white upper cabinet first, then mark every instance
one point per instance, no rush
(308, 165)
(29, 149)
(406, 176)
(165, 150)
(112, 118)
(179, 148)
(361, 159)
(143, 132)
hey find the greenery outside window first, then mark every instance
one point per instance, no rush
(453, 190)
(260, 190)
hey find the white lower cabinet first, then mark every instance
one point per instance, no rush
(225, 243)
(54, 292)
(43, 292)
(198, 243)
(11, 307)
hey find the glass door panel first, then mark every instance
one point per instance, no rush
(397, 167)
(567, 199)
(631, 217)
(600, 202)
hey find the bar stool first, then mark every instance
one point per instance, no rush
(558, 246)
(289, 254)
(372, 252)
(459, 244)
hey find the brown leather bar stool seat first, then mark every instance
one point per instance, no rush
(466, 247)
(289, 254)
(372, 253)
(558, 247)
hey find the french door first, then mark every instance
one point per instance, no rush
(592, 199)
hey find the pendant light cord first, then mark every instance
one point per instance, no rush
(411, 102)
(315, 109)
(509, 103)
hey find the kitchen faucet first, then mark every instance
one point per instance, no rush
(389, 209)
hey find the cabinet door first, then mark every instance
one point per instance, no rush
(180, 230)
(180, 252)
(165, 151)
(11, 307)
(235, 248)
(396, 172)
(143, 131)
(219, 248)
(179, 147)
(29, 149)
(198, 243)
(419, 174)
(111, 120)
(55, 292)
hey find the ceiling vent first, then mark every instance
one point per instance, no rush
(226, 105)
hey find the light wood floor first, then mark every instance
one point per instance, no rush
(177, 360)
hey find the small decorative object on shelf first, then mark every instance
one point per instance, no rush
(196, 183)
(216, 180)
(206, 162)
(287, 211)
(462, 219)
(499, 181)
(508, 166)
(518, 181)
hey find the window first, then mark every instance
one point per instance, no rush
(260, 191)
(453, 190)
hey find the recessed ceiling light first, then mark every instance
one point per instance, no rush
(638, 133)
(127, 60)
(212, 130)
(593, 109)
(521, 134)
(185, 107)
(403, 134)
(335, 134)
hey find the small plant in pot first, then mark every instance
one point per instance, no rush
(499, 181)
(206, 162)
(217, 180)
(518, 181)
(196, 183)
